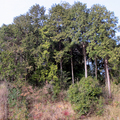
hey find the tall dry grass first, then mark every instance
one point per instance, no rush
(41, 106)
(3, 101)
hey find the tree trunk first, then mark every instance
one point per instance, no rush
(13, 76)
(72, 67)
(61, 65)
(108, 78)
(95, 67)
(21, 61)
(85, 63)
(105, 73)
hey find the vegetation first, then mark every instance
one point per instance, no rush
(84, 95)
(51, 56)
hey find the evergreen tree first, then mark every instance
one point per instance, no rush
(79, 27)
(103, 27)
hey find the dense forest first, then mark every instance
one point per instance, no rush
(70, 44)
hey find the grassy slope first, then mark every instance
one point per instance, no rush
(40, 106)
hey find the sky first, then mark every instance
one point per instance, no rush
(12, 8)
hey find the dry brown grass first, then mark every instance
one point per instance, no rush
(111, 112)
(3, 101)
(42, 107)
(52, 111)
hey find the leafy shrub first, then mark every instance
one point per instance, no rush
(100, 106)
(19, 111)
(13, 96)
(61, 83)
(83, 95)
(17, 104)
(64, 79)
(53, 80)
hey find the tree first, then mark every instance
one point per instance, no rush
(56, 26)
(79, 27)
(103, 27)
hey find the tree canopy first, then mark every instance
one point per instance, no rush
(70, 39)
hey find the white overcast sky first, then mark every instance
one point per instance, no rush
(12, 8)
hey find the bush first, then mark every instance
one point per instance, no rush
(58, 83)
(84, 95)
(13, 96)
(64, 79)
(17, 104)
(100, 106)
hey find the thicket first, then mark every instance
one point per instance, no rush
(60, 48)
(85, 95)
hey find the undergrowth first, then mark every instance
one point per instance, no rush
(84, 96)
(32, 103)
(37, 104)
(16, 104)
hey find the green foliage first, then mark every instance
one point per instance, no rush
(56, 90)
(13, 95)
(53, 80)
(38, 48)
(17, 105)
(60, 83)
(64, 79)
(19, 112)
(100, 106)
(84, 94)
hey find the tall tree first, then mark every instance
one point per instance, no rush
(103, 27)
(56, 25)
(79, 27)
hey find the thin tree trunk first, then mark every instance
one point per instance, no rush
(21, 60)
(61, 65)
(105, 73)
(108, 78)
(72, 67)
(85, 63)
(13, 76)
(95, 67)
(26, 74)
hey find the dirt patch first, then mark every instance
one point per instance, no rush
(3, 101)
